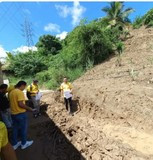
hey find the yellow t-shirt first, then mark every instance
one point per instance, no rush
(66, 86)
(33, 89)
(3, 136)
(15, 96)
(10, 88)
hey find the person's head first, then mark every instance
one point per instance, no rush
(21, 85)
(3, 88)
(35, 82)
(65, 80)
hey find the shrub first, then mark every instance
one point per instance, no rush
(86, 42)
(148, 18)
(138, 22)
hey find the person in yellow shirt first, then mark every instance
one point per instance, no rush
(32, 91)
(66, 92)
(10, 88)
(6, 150)
(19, 116)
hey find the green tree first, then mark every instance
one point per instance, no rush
(86, 43)
(48, 44)
(116, 14)
(26, 64)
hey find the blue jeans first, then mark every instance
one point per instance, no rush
(6, 118)
(19, 128)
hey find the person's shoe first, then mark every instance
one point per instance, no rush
(35, 115)
(28, 144)
(70, 113)
(39, 114)
(17, 145)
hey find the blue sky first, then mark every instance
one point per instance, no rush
(56, 18)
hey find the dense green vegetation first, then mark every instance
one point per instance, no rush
(89, 44)
(146, 20)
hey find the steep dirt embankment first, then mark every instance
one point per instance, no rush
(116, 117)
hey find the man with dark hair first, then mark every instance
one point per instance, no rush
(19, 116)
(66, 91)
(32, 91)
(4, 106)
(6, 150)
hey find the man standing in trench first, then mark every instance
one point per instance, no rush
(66, 91)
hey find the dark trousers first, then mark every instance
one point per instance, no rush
(19, 128)
(68, 102)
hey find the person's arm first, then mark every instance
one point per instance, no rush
(8, 152)
(22, 105)
(70, 85)
(21, 100)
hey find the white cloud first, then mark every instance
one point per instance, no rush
(2, 52)
(62, 35)
(76, 12)
(51, 27)
(24, 49)
(64, 10)
(26, 11)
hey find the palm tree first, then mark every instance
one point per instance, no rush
(116, 14)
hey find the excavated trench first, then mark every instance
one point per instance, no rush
(50, 143)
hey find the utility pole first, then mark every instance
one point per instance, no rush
(28, 32)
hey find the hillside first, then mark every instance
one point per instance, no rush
(116, 109)
(116, 112)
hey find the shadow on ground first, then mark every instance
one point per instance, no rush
(76, 105)
(49, 141)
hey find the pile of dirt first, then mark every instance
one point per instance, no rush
(115, 115)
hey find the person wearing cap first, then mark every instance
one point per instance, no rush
(6, 150)
(33, 90)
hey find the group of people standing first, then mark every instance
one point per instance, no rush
(13, 110)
